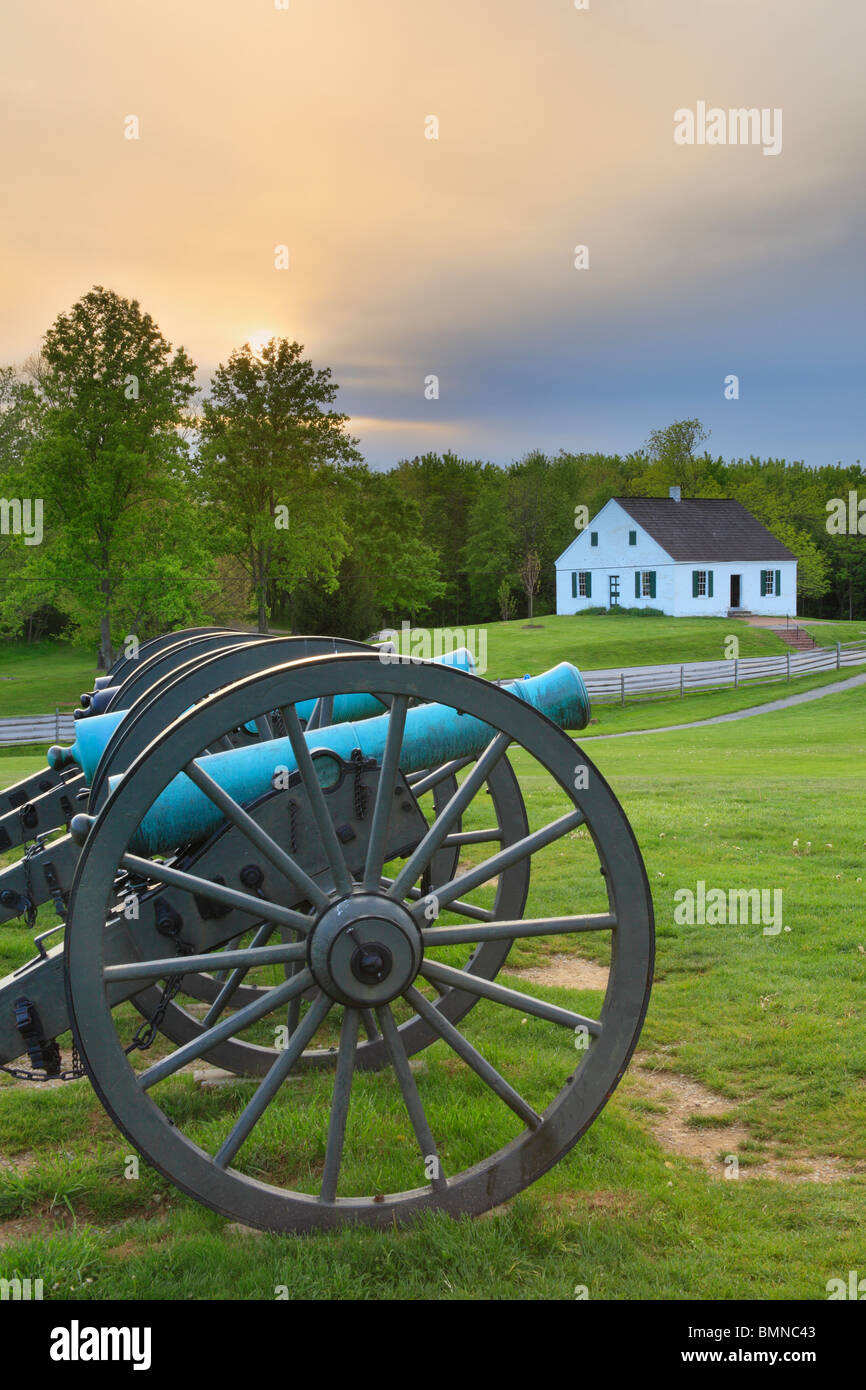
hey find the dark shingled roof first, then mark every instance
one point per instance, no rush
(705, 528)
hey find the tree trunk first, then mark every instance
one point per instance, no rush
(106, 651)
(259, 571)
(106, 656)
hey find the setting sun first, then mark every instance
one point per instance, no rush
(259, 340)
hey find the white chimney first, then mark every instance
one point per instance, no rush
(674, 494)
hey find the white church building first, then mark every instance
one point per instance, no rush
(691, 557)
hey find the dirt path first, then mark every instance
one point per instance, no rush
(684, 1116)
(786, 703)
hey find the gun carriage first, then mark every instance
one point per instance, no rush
(305, 861)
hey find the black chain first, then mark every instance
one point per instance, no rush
(145, 1034)
(29, 853)
(73, 1073)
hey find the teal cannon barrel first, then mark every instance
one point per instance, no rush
(93, 733)
(346, 707)
(363, 706)
(434, 734)
(91, 739)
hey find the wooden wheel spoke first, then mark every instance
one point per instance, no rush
(216, 892)
(422, 782)
(421, 857)
(226, 1028)
(368, 1018)
(234, 978)
(474, 837)
(521, 927)
(497, 863)
(476, 914)
(464, 1049)
(409, 1091)
(265, 1092)
(385, 791)
(322, 713)
(318, 805)
(340, 1105)
(256, 835)
(245, 958)
(512, 998)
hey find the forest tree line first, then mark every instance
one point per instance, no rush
(160, 506)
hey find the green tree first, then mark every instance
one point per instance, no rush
(672, 458)
(123, 541)
(25, 601)
(505, 599)
(390, 572)
(813, 567)
(268, 469)
(490, 551)
(444, 488)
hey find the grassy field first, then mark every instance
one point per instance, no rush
(34, 679)
(654, 713)
(770, 1025)
(827, 634)
(596, 642)
(37, 677)
(638, 713)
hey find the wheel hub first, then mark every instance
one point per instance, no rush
(365, 950)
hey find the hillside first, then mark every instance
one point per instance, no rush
(595, 642)
(33, 679)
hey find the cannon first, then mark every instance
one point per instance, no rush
(313, 903)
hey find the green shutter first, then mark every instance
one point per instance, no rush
(637, 583)
(593, 538)
(574, 583)
(778, 583)
(588, 584)
(632, 537)
(652, 583)
(694, 583)
(709, 583)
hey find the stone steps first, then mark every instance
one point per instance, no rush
(796, 638)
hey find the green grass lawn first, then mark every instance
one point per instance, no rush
(771, 1024)
(654, 713)
(596, 642)
(639, 713)
(37, 677)
(827, 634)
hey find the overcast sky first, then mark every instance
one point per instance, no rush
(410, 256)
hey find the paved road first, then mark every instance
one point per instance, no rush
(745, 713)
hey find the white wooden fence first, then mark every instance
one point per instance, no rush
(603, 686)
(636, 681)
(37, 728)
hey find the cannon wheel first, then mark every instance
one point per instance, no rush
(144, 676)
(175, 689)
(223, 1171)
(156, 707)
(124, 664)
